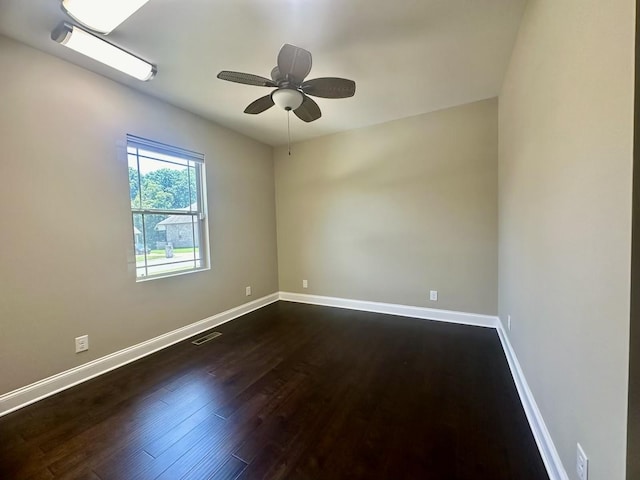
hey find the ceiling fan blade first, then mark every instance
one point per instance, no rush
(246, 78)
(329, 87)
(294, 63)
(260, 105)
(275, 74)
(308, 111)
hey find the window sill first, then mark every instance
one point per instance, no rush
(169, 275)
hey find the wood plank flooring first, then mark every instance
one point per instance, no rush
(289, 391)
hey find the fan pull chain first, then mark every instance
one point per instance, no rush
(289, 131)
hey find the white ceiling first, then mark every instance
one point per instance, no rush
(407, 56)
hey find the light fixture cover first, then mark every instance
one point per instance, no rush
(287, 98)
(101, 16)
(83, 42)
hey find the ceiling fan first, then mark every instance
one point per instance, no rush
(292, 91)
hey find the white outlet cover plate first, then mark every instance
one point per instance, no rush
(582, 464)
(82, 343)
(433, 295)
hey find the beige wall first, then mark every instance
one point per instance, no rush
(387, 213)
(66, 242)
(565, 123)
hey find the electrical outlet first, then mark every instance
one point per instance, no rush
(305, 284)
(582, 464)
(82, 343)
(509, 322)
(248, 291)
(433, 295)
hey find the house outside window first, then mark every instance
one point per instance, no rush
(168, 209)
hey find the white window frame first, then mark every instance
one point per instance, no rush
(145, 148)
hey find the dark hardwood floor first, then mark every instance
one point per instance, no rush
(289, 391)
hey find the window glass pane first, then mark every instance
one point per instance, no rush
(134, 181)
(164, 185)
(171, 244)
(138, 237)
(193, 182)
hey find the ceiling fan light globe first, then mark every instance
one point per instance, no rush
(287, 98)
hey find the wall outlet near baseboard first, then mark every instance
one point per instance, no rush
(305, 284)
(433, 295)
(247, 291)
(582, 464)
(82, 343)
(509, 322)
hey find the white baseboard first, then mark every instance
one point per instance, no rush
(395, 309)
(49, 386)
(547, 449)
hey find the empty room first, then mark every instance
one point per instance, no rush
(331, 239)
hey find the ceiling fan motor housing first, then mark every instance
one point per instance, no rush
(287, 98)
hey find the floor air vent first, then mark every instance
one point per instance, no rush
(206, 338)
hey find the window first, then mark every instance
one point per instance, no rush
(168, 208)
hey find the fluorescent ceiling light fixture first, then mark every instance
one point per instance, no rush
(101, 16)
(102, 51)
